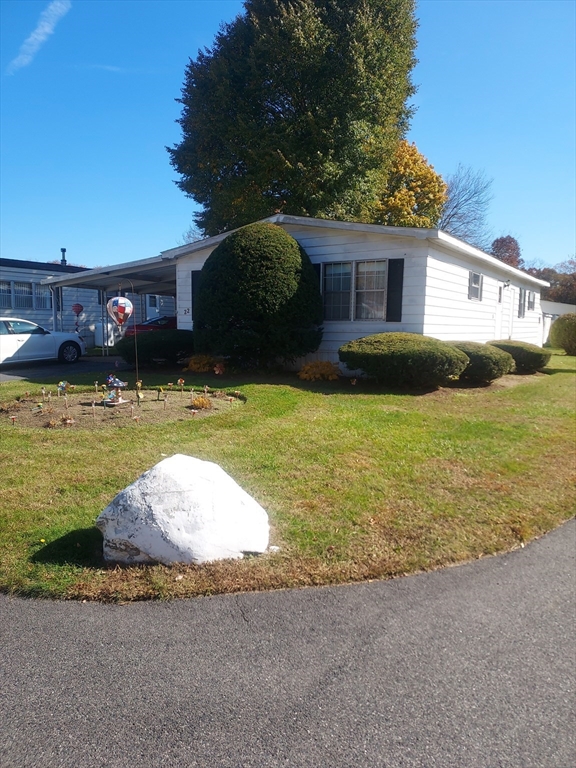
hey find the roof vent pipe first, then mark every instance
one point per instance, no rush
(63, 259)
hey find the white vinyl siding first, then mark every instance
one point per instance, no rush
(451, 315)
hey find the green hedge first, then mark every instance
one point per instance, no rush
(258, 299)
(154, 346)
(486, 362)
(528, 357)
(563, 333)
(404, 359)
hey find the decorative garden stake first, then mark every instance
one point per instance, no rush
(94, 410)
(13, 420)
(77, 309)
(43, 393)
(114, 397)
(181, 385)
(119, 308)
(95, 386)
(165, 401)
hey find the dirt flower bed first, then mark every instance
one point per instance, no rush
(47, 409)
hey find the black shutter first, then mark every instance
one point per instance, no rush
(395, 287)
(317, 269)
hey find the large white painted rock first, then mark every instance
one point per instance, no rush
(183, 510)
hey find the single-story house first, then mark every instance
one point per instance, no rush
(25, 293)
(373, 279)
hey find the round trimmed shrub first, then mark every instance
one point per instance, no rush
(486, 362)
(528, 357)
(258, 299)
(169, 346)
(404, 359)
(563, 333)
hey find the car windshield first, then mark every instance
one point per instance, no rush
(22, 326)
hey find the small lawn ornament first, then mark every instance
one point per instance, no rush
(120, 308)
(77, 309)
(115, 386)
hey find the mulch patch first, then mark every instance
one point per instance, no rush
(87, 410)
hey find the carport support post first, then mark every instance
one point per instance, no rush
(135, 333)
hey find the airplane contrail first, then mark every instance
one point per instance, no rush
(49, 17)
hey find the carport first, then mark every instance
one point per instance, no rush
(156, 275)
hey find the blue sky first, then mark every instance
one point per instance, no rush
(88, 105)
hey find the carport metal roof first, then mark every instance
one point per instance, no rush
(156, 275)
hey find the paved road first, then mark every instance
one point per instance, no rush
(469, 667)
(55, 370)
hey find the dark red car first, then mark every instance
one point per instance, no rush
(162, 323)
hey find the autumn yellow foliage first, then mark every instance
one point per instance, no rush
(200, 364)
(414, 194)
(319, 370)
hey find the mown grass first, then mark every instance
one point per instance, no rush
(358, 483)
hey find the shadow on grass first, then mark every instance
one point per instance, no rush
(82, 547)
(551, 371)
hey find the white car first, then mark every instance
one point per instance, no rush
(21, 341)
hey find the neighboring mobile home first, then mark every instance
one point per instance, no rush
(25, 293)
(373, 279)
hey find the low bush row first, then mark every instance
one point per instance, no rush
(394, 359)
(411, 360)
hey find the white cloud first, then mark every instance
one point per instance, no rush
(49, 17)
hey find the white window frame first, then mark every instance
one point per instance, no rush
(531, 304)
(522, 302)
(23, 295)
(475, 281)
(356, 289)
(350, 291)
(42, 296)
(5, 294)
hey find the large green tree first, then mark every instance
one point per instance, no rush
(297, 108)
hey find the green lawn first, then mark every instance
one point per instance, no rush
(358, 483)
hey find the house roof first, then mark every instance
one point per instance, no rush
(158, 273)
(40, 265)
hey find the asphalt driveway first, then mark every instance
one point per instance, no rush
(48, 369)
(468, 667)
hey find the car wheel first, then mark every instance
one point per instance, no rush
(69, 352)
